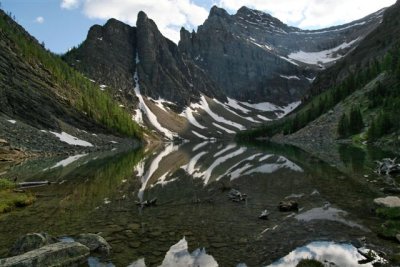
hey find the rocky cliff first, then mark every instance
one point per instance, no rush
(113, 53)
(254, 56)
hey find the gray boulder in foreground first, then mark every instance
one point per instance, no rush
(30, 242)
(95, 243)
(56, 255)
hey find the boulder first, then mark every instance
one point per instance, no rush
(30, 242)
(390, 201)
(285, 206)
(95, 243)
(236, 195)
(58, 254)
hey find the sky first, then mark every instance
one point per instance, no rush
(63, 24)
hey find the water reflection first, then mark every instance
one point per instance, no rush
(179, 256)
(328, 252)
(98, 193)
(209, 161)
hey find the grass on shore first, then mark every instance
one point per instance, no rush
(9, 200)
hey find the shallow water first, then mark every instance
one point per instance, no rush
(98, 193)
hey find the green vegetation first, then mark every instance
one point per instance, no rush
(74, 88)
(6, 184)
(384, 100)
(10, 200)
(389, 213)
(391, 227)
(309, 263)
(351, 124)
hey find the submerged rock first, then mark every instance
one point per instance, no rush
(390, 201)
(95, 243)
(236, 195)
(264, 215)
(285, 206)
(30, 242)
(57, 254)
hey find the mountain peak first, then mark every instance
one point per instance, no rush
(217, 11)
(142, 16)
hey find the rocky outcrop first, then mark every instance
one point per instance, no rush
(57, 254)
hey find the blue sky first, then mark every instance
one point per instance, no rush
(62, 24)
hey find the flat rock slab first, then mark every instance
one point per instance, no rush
(56, 255)
(390, 202)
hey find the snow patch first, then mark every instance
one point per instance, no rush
(263, 118)
(138, 117)
(204, 105)
(326, 56)
(71, 140)
(150, 115)
(233, 103)
(12, 121)
(188, 114)
(223, 128)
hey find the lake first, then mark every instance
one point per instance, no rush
(195, 223)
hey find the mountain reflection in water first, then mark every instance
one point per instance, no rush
(98, 193)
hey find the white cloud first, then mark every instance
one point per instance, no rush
(69, 4)
(39, 20)
(169, 15)
(312, 13)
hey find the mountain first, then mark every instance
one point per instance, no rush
(356, 99)
(252, 55)
(48, 107)
(236, 72)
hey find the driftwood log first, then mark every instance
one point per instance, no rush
(32, 184)
(387, 166)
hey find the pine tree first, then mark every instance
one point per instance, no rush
(343, 126)
(373, 131)
(355, 120)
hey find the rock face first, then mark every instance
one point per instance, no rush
(108, 56)
(254, 56)
(95, 243)
(113, 53)
(57, 254)
(30, 242)
(162, 70)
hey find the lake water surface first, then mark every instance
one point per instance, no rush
(194, 222)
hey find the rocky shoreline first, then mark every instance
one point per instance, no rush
(20, 141)
(41, 249)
